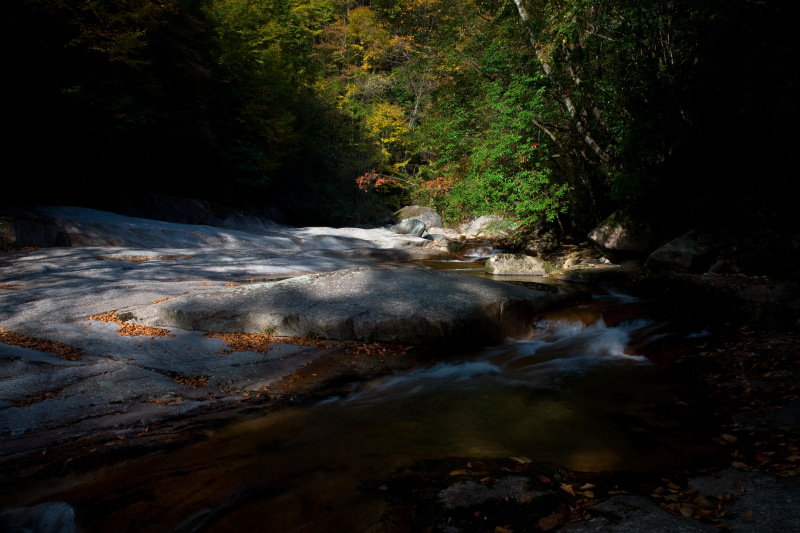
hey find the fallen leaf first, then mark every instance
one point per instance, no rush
(548, 522)
(568, 489)
(459, 473)
(586, 486)
(544, 479)
(521, 460)
(728, 437)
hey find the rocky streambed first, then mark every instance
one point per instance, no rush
(111, 353)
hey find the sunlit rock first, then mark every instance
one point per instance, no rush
(394, 305)
(515, 264)
(487, 227)
(428, 215)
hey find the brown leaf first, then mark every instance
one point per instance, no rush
(568, 489)
(549, 522)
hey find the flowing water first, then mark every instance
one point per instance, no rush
(581, 392)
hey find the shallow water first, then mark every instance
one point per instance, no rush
(581, 392)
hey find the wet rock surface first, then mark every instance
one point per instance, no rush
(81, 395)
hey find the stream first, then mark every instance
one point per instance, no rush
(586, 391)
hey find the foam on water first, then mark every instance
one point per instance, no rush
(481, 251)
(559, 349)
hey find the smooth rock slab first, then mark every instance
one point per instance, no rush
(405, 305)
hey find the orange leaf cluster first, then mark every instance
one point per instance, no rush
(131, 330)
(438, 184)
(141, 259)
(42, 345)
(38, 398)
(194, 382)
(243, 342)
(373, 180)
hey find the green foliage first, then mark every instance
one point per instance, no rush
(457, 104)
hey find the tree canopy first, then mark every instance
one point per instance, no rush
(546, 111)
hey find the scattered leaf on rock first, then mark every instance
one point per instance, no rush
(549, 522)
(38, 398)
(61, 351)
(190, 381)
(128, 329)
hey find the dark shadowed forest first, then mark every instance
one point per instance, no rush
(551, 112)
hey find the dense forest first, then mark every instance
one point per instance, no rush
(338, 111)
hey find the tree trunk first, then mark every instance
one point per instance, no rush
(562, 94)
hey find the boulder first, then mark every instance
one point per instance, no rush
(514, 264)
(8, 234)
(404, 305)
(628, 232)
(487, 226)
(692, 253)
(410, 226)
(426, 214)
(535, 239)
